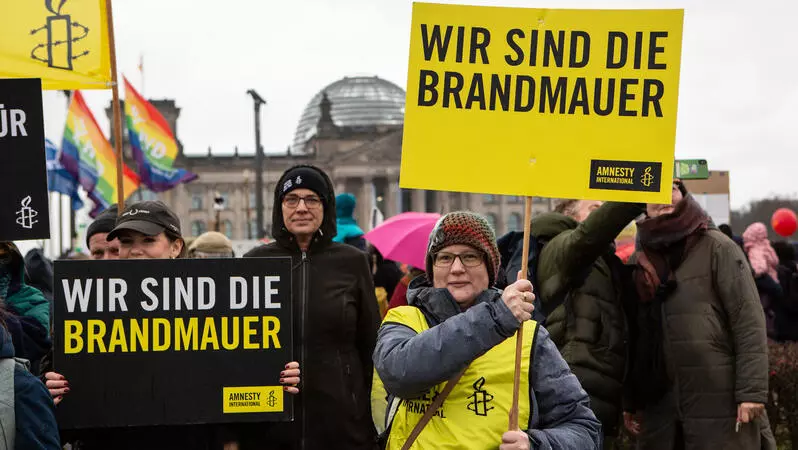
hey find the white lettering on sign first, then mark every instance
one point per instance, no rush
(12, 121)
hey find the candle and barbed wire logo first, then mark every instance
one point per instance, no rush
(26, 215)
(271, 400)
(480, 399)
(647, 179)
(58, 50)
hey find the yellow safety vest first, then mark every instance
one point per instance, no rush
(475, 414)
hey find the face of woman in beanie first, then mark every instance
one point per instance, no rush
(461, 269)
(654, 210)
(303, 213)
(136, 245)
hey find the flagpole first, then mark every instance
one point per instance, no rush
(120, 191)
(60, 221)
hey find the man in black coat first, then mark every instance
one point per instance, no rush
(335, 321)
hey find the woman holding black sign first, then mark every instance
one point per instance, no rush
(336, 320)
(150, 230)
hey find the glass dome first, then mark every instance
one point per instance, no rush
(356, 101)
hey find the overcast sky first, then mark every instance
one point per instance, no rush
(739, 78)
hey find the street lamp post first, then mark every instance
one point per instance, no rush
(248, 205)
(258, 101)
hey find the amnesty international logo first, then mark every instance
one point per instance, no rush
(271, 400)
(638, 176)
(647, 179)
(252, 399)
(58, 50)
(480, 399)
(63, 42)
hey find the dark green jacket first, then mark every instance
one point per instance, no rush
(589, 327)
(25, 300)
(715, 347)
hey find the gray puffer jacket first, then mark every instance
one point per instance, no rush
(561, 417)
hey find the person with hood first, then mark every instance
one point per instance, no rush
(27, 416)
(347, 229)
(28, 311)
(335, 320)
(585, 290)
(459, 329)
(764, 264)
(761, 254)
(701, 370)
(39, 272)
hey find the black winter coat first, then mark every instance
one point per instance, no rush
(335, 330)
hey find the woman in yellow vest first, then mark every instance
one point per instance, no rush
(458, 321)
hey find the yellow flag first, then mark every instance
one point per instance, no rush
(63, 42)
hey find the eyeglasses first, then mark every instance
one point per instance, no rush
(311, 202)
(470, 259)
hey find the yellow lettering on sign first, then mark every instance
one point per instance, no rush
(232, 343)
(117, 337)
(161, 334)
(252, 399)
(271, 326)
(183, 336)
(171, 334)
(73, 341)
(139, 335)
(249, 332)
(96, 335)
(209, 335)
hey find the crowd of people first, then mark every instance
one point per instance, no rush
(670, 347)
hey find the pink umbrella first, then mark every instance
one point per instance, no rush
(404, 237)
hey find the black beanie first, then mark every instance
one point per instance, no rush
(304, 178)
(104, 223)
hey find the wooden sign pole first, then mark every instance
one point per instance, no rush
(519, 343)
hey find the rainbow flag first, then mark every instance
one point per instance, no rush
(88, 156)
(154, 146)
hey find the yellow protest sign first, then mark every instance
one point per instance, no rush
(63, 42)
(542, 102)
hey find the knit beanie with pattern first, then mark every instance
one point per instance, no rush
(466, 228)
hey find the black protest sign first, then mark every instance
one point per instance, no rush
(24, 207)
(166, 342)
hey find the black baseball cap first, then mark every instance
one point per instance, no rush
(150, 218)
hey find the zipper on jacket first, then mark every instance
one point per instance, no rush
(303, 292)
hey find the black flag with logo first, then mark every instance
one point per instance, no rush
(24, 208)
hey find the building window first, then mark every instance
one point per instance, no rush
(251, 200)
(196, 202)
(491, 220)
(514, 222)
(489, 198)
(227, 228)
(197, 227)
(252, 233)
(515, 199)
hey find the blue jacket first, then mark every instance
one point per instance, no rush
(561, 418)
(34, 412)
